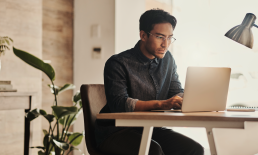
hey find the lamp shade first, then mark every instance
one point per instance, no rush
(242, 33)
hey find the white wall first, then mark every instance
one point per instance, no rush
(118, 22)
(86, 69)
(127, 17)
(86, 14)
(200, 32)
(21, 20)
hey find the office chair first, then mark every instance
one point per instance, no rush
(93, 99)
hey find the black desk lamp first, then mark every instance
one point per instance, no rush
(242, 33)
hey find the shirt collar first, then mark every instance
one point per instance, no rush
(142, 57)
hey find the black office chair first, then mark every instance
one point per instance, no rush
(93, 99)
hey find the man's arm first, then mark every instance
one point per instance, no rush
(175, 87)
(118, 99)
(175, 96)
(174, 102)
(116, 86)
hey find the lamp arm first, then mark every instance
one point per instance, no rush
(255, 25)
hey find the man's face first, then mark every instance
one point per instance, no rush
(154, 45)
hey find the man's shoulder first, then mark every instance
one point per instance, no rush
(168, 57)
(119, 61)
(121, 57)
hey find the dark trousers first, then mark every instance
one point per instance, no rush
(164, 142)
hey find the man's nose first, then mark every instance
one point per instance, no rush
(165, 43)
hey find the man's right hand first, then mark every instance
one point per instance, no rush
(174, 102)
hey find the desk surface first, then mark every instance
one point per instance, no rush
(19, 100)
(17, 93)
(15, 100)
(204, 116)
(209, 120)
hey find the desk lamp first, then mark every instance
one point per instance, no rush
(242, 33)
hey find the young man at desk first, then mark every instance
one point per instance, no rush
(144, 78)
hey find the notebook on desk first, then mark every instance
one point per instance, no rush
(206, 89)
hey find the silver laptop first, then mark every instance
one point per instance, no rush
(206, 89)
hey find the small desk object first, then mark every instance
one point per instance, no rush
(208, 120)
(18, 100)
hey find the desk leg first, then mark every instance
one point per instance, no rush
(211, 141)
(26, 137)
(146, 139)
(27, 131)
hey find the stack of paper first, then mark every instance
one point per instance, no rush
(5, 86)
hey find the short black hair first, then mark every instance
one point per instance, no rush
(155, 16)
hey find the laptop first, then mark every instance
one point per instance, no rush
(206, 89)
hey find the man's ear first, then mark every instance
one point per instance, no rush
(143, 36)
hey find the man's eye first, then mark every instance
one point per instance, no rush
(169, 38)
(159, 37)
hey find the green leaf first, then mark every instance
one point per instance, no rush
(68, 133)
(7, 41)
(42, 112)
(54, 88)
(41, 153)
(80, 103)
(7, 47)
(77, 97)
(46, 140)
(36, 112)
(66, 87)
(11, 39)
(38, 147)
(31, 115)
(45, 132)
(60, 111)
(71, 119)
(76, 138)
(35, 62)
(49, 117)
(61, 145)
(72, 148)
(62, 120)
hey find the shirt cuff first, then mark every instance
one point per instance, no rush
(180, 94)
(130, 104)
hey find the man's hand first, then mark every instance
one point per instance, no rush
(174, 102)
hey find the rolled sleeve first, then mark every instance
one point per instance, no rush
(180, 95)
(130, 104)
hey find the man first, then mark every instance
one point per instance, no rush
(144, 78)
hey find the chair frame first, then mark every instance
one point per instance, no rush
(88, 125)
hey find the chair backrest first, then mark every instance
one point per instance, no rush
(93, 100)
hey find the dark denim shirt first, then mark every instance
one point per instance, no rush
(130, 76)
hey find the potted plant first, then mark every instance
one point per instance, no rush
(56, 141)
(4, 44)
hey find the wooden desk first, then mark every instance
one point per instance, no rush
(209, 120)
(18, 100)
